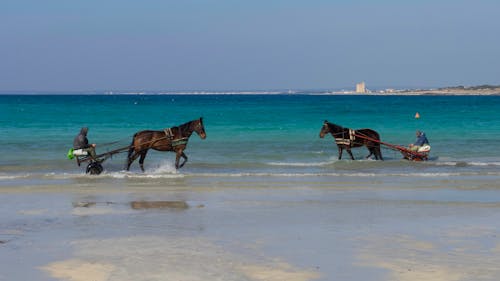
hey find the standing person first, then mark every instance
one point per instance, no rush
(81, 142)
(419, 142)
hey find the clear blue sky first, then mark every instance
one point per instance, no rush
(59, 45)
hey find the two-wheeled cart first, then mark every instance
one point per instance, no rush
(94, 166)
(422, 154)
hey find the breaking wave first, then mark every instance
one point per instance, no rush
(301, 164)
(466, 163)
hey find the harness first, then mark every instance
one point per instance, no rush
(346, 141)
(175, 142)
(168, 133)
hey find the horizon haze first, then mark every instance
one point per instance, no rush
(191, 45)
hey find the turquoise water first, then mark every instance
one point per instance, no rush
(264, 135)
(261, 187)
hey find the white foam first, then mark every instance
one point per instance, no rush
(64, 175)
(105, 174)
(150, 176)
(484, 163)
(165, 167)
(448, 163)
(301, 164)
(13, 177)
(140, 175)
(466, 163)
(329, 174)
(434, 174)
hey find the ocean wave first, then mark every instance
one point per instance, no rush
(329, 168)
(124, 175)
(333, 174)
(484, 163)
(129, 175)
(65, 176)
(301, 164)
(353, 164)
(39, 178)
(13, 177)
(466, 163)
(164, 167)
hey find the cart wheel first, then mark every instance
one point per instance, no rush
(94, 168)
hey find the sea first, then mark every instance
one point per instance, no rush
(254, 135)
(263, 197)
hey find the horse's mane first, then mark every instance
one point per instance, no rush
(334, 127)
(186, 126)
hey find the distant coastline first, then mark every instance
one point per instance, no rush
(460, 90)
(482, 90)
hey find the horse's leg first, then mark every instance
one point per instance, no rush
(379, 152)
(131, 159)
(350, 153)
(178, 155)
(141, 160)
(131, 153)
(340, 152)
(183, 155)
(372, 152)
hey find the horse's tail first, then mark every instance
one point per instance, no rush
(131, 147)
(378, 148)
(130, 151)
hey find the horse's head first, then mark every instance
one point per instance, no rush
(325, 129)
(198, 127)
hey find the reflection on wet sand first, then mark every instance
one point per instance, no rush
(137, 205)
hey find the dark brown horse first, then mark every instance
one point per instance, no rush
(172, 139)
(346, 138)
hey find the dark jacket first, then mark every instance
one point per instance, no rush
(421, 140)
(81, 140)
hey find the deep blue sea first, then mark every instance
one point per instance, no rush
(250, 135)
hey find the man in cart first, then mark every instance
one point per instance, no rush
(421, 143)
(81, 144)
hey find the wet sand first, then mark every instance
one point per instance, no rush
(227, 229)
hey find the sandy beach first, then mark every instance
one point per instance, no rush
(227, 229)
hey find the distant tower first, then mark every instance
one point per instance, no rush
(360, 88)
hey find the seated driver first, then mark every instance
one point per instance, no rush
(81, 142)
(419, 142)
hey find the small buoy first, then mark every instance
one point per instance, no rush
(417, 115)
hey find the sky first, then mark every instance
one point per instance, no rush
(155, 45)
